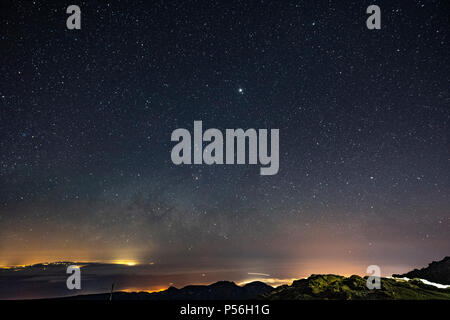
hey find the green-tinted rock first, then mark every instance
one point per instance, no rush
(354, 288)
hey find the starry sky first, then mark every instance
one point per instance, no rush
(86, 117)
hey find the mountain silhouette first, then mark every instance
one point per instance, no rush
(316, 287)
(222, 290)
(437, 271)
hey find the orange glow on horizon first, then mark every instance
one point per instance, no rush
(144, 290)
(129, 263)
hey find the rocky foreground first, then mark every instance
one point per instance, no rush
(354, 288)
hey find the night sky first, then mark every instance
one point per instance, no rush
(86, 118)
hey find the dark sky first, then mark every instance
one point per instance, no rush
(86, 117)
